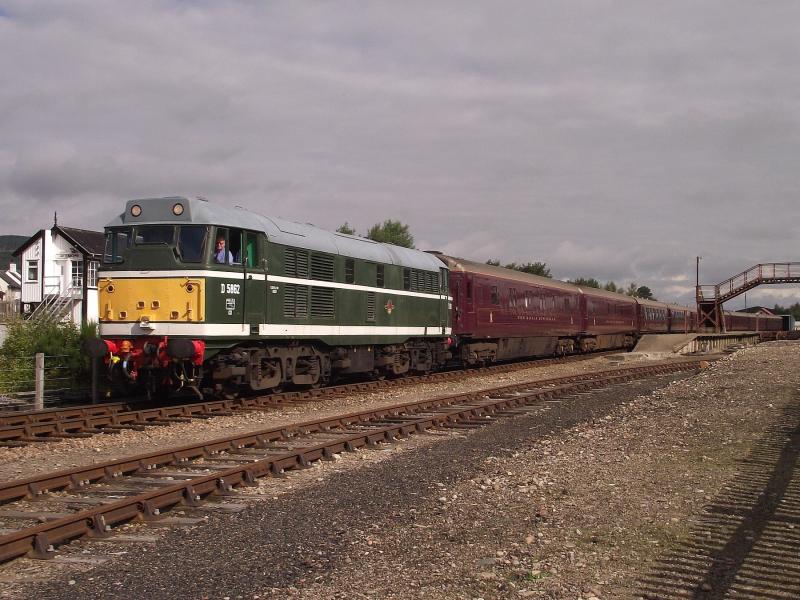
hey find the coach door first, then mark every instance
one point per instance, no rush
(255, 298)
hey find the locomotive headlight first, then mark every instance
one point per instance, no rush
(177, 210)
(136, 210)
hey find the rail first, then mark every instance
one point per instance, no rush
(188, 475)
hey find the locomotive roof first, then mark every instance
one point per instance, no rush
(200, 211)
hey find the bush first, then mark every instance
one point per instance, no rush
(65, 363)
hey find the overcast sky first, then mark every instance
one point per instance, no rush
(615, 140)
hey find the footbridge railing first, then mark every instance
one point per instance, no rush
(711, 297)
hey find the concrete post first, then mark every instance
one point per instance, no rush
(39, 400)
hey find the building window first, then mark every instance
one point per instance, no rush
(93, 273)
(77, 273)
(33, 270)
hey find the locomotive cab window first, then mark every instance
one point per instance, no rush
(250, 249)
(117, 243)
(380, 276)
(152, 235)
(192, 242)
(227, 246)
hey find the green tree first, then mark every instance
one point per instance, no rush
(533, 268)
(611, 287)
(346, 229)
(590, 282)
(61, 343)
(645, 292)
(793, 310)
(632, 287)
(391, 232)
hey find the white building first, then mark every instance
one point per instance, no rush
(10, 291)
(59, 274)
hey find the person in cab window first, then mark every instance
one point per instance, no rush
(221, 255)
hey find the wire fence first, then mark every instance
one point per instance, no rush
(39, 381)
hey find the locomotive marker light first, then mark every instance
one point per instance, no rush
(136, 210)
(177, 210)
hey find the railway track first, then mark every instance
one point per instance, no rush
(22, 428)
(54, 508)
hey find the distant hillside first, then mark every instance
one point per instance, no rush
(9, 243)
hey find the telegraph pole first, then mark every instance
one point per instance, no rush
(697, 276)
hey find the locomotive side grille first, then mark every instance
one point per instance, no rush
(295, 301)
(371, 306)
(431, 283)
(322, 303)
(415, 280)
(321, 267)
(296, 262)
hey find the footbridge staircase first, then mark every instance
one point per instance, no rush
(711, 297)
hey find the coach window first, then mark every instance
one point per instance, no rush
(495, 296)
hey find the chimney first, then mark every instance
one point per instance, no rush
(12, 267)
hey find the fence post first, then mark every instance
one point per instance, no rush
(39, 400)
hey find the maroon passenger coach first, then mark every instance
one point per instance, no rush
(500, 314)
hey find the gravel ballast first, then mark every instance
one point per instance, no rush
(599, 495)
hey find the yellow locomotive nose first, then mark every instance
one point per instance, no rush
(157, 299)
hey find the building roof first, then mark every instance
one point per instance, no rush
(12, 279)
(758, 309)
(90, 243)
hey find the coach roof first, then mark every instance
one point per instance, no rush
(201, 212)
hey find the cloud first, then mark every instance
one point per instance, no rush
(616, 144)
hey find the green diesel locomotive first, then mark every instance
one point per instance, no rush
(201, 296)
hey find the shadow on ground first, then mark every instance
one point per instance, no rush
(747, 542)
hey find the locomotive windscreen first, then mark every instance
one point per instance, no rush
(189, 241)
